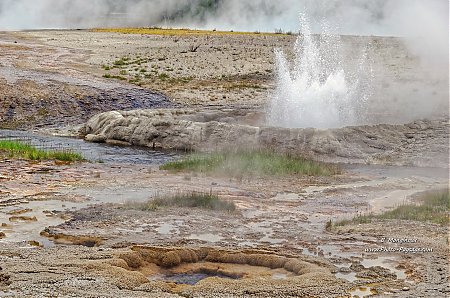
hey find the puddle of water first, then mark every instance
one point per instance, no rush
(286, 197)
(396, 171)
(279, 276)
(336, 250)
(137, 230)
(206, 237)
(8, 294)
(261, 227)
(247, 243)
(167, 228)
(361, 292)
(332, 249)
(384, 262)
(252, 213)
(24, 231)
(267, 238)
(116, 195)
(309, 252)
(392, 199)
(187, 278)
(349, 276)
(45, 242)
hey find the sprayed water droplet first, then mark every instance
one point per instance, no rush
(314, 90)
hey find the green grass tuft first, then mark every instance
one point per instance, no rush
(17, 149)
(254, 163)
(433, 206)
(201, 200)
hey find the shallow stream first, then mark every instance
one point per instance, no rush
(94, 152)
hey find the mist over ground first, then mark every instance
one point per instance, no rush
(363, 17)
(423, 23)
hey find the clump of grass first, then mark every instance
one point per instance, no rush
(359, 219)
(180, 80)
(279, 31)
(121, 62)
(201, 200)
(109, 76)
(254, 163)
(328, 225)
(432, 206)
(17, 149)
(163, 76)
(137, 81)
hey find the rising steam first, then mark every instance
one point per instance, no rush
(423, 23)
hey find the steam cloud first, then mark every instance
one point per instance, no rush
(381, 17)
(424, 21)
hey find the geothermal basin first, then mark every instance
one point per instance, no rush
(80, 229)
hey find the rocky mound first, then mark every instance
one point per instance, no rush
(420, 143)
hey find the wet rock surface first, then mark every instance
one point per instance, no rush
(420, 143)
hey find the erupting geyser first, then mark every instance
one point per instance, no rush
(316, 91)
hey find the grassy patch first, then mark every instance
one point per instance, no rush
(433, 206)
(109, 76)
(254, 163)
(163, 76)
(202, 200)
(17, 149)
(122, 61)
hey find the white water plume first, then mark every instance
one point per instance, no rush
(316, 91)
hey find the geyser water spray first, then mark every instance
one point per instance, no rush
(314, 90)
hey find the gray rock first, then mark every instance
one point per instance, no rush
(421, 143)
(95, 138)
